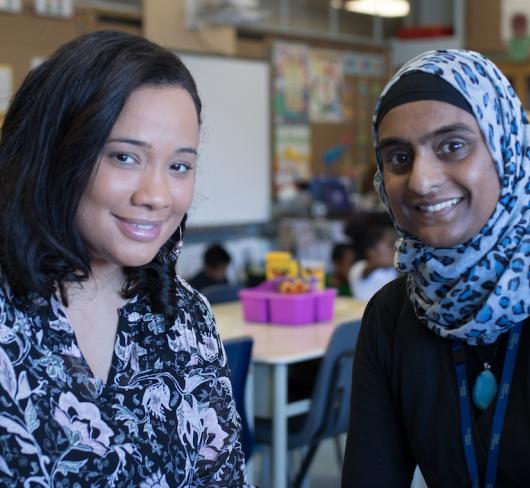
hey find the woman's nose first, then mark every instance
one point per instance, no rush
(426, 175)
(152, 190)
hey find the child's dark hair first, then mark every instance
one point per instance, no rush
(52, 135)
(216, 255)
(339, 250)
(369, 238)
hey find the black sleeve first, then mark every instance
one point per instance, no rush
(377, 452)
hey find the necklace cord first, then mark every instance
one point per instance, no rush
(487, 364)
(459, 364)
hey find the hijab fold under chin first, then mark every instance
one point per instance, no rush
(477, 290)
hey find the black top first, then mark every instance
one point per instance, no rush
(405, 405)
(201, 280)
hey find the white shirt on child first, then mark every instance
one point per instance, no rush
(365, 288)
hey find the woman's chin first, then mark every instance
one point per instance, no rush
(135, 260)
(138, 262)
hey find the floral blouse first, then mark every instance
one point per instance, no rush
(164, 418)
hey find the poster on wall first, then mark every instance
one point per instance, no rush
(6, 88)
(364, 64)
(11, 5)
(292, 158)
(290, 82)
(326, 86)
(59, 8)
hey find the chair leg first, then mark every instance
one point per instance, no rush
(265, 465)
(304, 467)
(339, 451)
(290, 463)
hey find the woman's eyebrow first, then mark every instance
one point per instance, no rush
(446, 129)
(134, 142)
(392, 141)
(146, 145)
(440, 131)
(189, 150)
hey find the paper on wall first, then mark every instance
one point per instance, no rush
(290, 82)
(326, 86)
(11, 5)
(6, 88)
(59, 8)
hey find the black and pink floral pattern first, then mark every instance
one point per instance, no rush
(164, 418)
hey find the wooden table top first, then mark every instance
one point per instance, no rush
(277, 344)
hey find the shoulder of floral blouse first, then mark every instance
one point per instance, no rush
(11, 306)
(194, 297)
(180, 282)
(197, 304)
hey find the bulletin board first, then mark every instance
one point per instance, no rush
(234, 166)
(323, 105)
(353, 134)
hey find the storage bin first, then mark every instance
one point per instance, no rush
(255, 305)
(263, 304)
(324, 304)
(292, 309)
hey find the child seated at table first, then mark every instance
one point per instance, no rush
(375, 248)
(215, 263)
(342, 257)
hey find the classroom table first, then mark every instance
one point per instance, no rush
(275, 348)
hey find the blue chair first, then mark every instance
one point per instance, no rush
(238, 354)
(330, 401)
(222, 293)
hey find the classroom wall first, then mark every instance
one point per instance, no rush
(483, 26)
(164, 22)
(25, 38)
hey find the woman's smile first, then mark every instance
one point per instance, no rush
(139, 230)
(438, 208)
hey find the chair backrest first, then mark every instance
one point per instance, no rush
(238, 354)
(221, 293)
(330, 402)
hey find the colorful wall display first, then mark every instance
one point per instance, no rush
(292, 158)
(323, 104)
(326, 86)
(363, 64)
(290, 82)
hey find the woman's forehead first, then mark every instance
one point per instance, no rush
(425, 116)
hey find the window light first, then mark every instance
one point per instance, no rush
(382, 8)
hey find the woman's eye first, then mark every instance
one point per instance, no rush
(123, 158)
(451, 147)
(181, 167)
(396, 159)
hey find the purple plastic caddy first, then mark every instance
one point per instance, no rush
(264, 305)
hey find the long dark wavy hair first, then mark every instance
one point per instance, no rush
(51, 138)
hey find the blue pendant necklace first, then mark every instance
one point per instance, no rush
(485, 387)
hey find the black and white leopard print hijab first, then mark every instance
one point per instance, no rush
(477, 290)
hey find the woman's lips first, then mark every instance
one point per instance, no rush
(439, 207)
(143, 231)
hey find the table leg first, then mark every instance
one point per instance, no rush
(249, 406)
(279, 427)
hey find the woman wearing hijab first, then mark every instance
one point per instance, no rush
(442, 367)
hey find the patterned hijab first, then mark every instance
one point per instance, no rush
(477, 290)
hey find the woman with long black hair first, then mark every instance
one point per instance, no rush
(111, 369)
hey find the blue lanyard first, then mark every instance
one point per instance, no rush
(500, 409)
